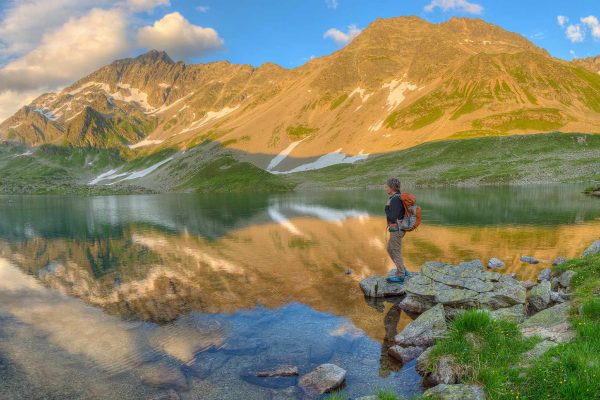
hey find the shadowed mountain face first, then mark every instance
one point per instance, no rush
(402, 82)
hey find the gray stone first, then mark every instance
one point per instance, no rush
(539, 350)
(282, 370)
(162, 376)
(545, 275)
(565, 278)
(423, 331)
(593, 249)
(168, 395)
(455, 392)
(554, 283)
(423, 364)
(475, 264)
(558, 261)
(514, 314)
(557, 297)
(550, 324)
(378, 286)
(529, 260)
(323, 379)
(495, 263)
(512, 275)
(444, 371)
(405, 354)
(539, 297)
(414, 304)
(528, 285)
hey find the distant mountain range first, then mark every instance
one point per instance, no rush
(400, 83)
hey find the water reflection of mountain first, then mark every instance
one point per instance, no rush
(214, 216)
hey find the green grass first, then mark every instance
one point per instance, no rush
(300, 131)
(489, 352)
(380, 395)
(539, 119)
(338, 102)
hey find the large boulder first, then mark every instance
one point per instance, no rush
(378, 286)
(565, 278)
(464, 286)
(323, 379)
(423, 331)
(455, 392)
(539, 296)
(558, 261)
(593, 249)
(514, 314)
(550, 324)
(545, 275)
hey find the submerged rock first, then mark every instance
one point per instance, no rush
(539, 296)
(529, 260)
(558, 261)
(405, 354)
(545, 275)
(282, 370)
(495, 263)
(415, 305)
(593, 249)
(455, 392)
(423, 331)
(550, 324)
(323, 379)
(463, 286)
(565, 278)
(513, 314)
(378, 286)
(162, 376)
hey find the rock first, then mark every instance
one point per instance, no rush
(422, 365)
(423, 331)
(550, 324)
(539, 350)
(168, 395)
(554, 283)
(444, 371)
(455, 392)
(593, 249)
(512, 275)
(162, 376)
(557, 297)
(558, 261)
(377, 286)
(514, 314)
(565, 278)
(539, 297)
(414, 304)
(495, 263)
(323, 379)
(477, 264)
(462, 286)
(545, 275)
(368, 398)
(528, 285)
(529, 260)
(405, 354)
(282, 370)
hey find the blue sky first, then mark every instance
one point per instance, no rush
(46, 45)
(288, 32)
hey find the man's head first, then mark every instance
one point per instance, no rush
(393, 186)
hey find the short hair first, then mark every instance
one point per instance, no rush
(394, 184)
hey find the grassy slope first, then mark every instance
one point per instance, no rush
(487, 352)
(554, 157)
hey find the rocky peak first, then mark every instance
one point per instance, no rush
(153, 57)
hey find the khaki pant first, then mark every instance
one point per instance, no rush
(394, 249)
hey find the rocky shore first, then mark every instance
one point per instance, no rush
(441, 291)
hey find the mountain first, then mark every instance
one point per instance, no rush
(591, 63)
(400, 83)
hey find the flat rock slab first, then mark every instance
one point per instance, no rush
(565, 278)
(282, 370)
(514, 314)
(550, 324)
(593, 249)
(466, 285)
(323, 379)
(455, 392)
(423, 331)
(539, 296)
(405, 354)
(378, 286)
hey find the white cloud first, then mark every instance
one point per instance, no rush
(202, 9)
(179, 38)
(146, 5)
(575, 33)
(562, 20)
(592, 23)
(75, 49)
(340, 37)
(332, 3)
(11, 100)
(459, 5)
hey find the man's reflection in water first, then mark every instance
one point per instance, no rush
(387, 364)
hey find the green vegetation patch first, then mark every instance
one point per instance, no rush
(538, 119)
(300, 131)
(338, 102)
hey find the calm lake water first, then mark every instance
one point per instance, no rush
(140, 297)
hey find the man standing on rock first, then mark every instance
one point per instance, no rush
(394, 210)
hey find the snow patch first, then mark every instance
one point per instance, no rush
(104, 176)
(337, 157)
(281, 156)
(15, 126)
(46, 114)
(145, 142)
(397, 89)
(126, 176)
(73, 116)
(165, 107)
(211, 115)
(364, 96)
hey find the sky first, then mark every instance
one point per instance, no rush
(48, 44)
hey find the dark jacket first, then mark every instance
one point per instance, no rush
(395, 210)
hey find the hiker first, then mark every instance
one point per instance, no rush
(394, 210)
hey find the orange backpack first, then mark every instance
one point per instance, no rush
(412, 212)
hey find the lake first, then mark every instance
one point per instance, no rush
(185, 295)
